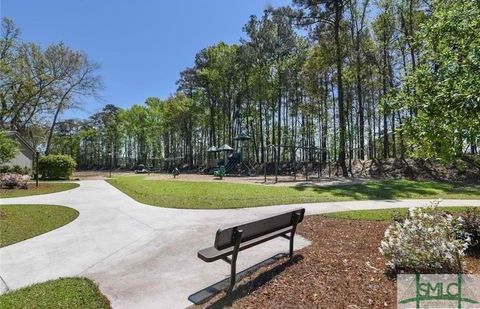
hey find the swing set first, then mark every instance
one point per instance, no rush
(317, 158)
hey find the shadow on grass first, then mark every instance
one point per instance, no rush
(391, 189)
(246, 285)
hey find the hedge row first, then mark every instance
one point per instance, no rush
(56, 166)
(15, 169)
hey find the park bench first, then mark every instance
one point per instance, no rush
(230, 241)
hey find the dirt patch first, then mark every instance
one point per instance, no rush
(90, 175)
(465, 169)
(259, 180)
(341, 269)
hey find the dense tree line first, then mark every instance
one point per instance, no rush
(344, 79)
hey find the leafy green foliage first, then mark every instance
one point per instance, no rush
(56, 166)
(8, 148)
(15, 169)
(444, 91)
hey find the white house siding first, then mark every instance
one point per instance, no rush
(23, 158)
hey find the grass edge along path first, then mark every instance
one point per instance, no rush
(21, 222)
(385, 214)
(43, 188)
(72, 293)
(216, 195)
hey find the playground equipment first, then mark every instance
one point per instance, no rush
(141, 170)
(172, 162)
(175, 172)
(225, 148)
(219, 172)
(212, 161)
(245, 166)
(320, 157)
(235, 162)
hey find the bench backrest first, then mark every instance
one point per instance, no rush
(224, 237)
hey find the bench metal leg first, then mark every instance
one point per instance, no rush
(292, 234)
(233, 265)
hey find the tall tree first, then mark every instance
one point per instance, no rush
(79, 80)
(327, 15)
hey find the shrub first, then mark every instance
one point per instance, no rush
(14, 181)
(426, 241)
(16, 169)
(26, 171)
(4, 169)
(471, 226)
(56, 166)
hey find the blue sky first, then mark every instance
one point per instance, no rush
(142, 45)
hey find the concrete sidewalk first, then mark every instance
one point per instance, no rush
(143, 256)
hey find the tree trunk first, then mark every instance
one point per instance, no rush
(341, 108)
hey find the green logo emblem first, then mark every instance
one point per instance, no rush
(438, 290)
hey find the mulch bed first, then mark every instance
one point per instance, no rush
(341, 269)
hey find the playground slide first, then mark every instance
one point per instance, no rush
(231, 165)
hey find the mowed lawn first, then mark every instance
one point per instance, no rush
(184, 194)
(72, 293)
(43, 188)
(20, 222)
(386, 214)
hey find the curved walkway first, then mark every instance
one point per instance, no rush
(143, 256)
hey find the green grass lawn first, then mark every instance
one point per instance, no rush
(43, 188)
(65, 293)
(381, 214)
(20, 222)
(183, 194)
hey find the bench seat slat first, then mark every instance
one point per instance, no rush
(212, 254)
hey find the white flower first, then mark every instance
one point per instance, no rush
(426, 240)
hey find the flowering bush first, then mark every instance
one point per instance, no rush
(426, 241)
(14, 181)
(471, 226)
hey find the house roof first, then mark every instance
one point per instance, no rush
(21, 139)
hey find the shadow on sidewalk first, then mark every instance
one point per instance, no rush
(244, 285)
